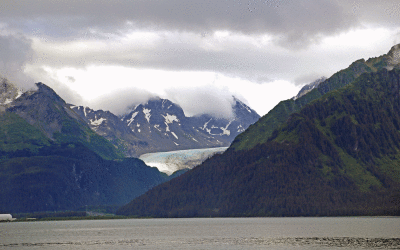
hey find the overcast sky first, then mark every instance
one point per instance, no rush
(198, 53)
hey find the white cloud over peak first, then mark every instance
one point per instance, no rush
(263, 50)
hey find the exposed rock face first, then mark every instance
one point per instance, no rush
(307, 88)
(8, 92)
(394, 57)
(160, 125)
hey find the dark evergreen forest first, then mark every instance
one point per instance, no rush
(339, 155)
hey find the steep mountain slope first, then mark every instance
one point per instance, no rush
(47, 112)
(111, 127)
(340, 155)
(69, 176)
(51, 160)
(8, 93)
(160, 125)
(18, 135)
(262, 130)
(309, 87)
(227, 129)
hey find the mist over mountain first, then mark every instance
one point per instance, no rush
(333, 151)
(57, 156)
(50, 159)
(160, 125)
(262, 130)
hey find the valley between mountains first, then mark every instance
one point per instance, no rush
(332, 150)
(56, 156)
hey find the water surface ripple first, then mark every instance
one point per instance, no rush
(205, 233)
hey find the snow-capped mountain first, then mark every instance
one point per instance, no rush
(228, 129)
(112, 128)
(39, 118)
(160, 125)
(156, 126)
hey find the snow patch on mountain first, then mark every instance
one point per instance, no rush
(132, 118)
(174, 135)
(19, 93)
(225, 130)
(97, 122)
(7, 101)
(147, 114)
(170, 118)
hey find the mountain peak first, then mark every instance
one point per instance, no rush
(314, 164)
(49, 92)
(241, 110)
(308, 87)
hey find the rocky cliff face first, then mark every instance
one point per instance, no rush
(8, 93)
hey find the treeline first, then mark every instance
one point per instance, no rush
(42, 215)
(338, 156)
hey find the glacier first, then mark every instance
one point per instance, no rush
(172, 161)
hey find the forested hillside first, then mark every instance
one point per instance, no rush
(50, 160)
(338, 156)
(69, 176)
(262, 130)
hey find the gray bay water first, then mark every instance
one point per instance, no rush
(205, 233)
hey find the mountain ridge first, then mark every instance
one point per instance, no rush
(262, 130)
(328, 155)
(338, 156)
(160, 125)
(51, 160)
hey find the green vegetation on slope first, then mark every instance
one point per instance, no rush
(46, 115)
(16, 134)
(74, 132)
(262, 130)
(68, 176)
(338, 156)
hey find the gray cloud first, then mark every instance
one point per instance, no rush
(71, 78)
(231, 57)
(306, 79)
(294, 23)
(120, 101)
(38, 74)
(185, 27)
(385, 12)
(15, 53)
(203, 100)
(184, 38)
(194, 101)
